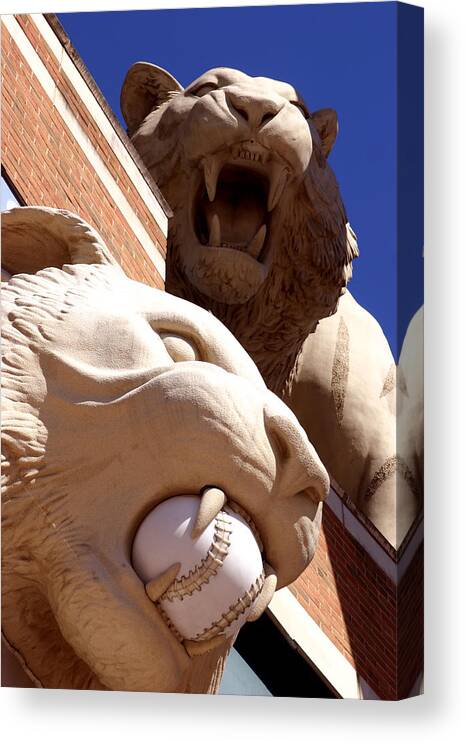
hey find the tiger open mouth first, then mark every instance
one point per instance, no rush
(236, 197)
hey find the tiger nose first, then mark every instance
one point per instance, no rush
(256, 110)
(299, 468)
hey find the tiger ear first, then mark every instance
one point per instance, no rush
(145, 88)
(38, 237)
(327, 126)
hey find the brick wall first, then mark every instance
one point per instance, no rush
(48, 167)
(410, 629)
(374, 622)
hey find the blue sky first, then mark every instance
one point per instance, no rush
(7, 198)
(338, 56)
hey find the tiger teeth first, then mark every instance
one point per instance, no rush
(266, 593)
(247, 154)
(215, 231)
(256, 244)
(155, 588)
(278, 182)
(253, 247)
(212, 501)
(211, 169)
(198, 648)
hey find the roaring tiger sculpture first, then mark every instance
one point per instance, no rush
(260, 237)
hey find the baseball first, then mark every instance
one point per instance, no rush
(218, 574)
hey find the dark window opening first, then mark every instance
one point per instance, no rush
(278, 663)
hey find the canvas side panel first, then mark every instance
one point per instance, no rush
(410, 112)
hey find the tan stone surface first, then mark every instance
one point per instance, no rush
(100, 423)
(261, 238)
(411, 416)
(350, 397)
(259, 233)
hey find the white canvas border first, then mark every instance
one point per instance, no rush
(52, 715)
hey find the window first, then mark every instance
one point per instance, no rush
(240, 680)
(263, 662)
(8, 198)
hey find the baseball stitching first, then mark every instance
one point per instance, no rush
(235, 610)
(169, 623)
(202, 573)
(235, 508)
